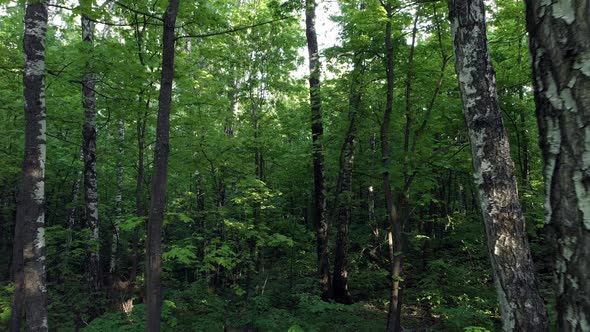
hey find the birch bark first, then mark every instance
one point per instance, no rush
(520, 302)
(559, 42)
(30, 229)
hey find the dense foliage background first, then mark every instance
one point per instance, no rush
(239, 245)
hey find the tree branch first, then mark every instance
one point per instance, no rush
(232, 30)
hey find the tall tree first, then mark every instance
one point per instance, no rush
(89, 149)
(29, 244)
(520, 302)
(160, 175)
(393, 217)
(317, 130)
(344, 189)
(559, 41)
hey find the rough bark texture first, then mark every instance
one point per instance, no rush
(559, 41)
(317, 130)
(340, 291)
(160, 176)
(520, 302)
(89, 151)
(394, 236)
(30, 281)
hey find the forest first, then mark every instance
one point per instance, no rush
(229, 165)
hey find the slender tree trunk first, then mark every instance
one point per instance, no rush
(232, 95)
(394, 236)
(371, 196)
(520, 302)
(73, 209)
(317, 131)
(118, 202)
(139, 200)
(200, 198)
(89, 151)
(141, 125)
(559, 41)
(524, 133)
(29, 244)
(344, 192)
(160, 177)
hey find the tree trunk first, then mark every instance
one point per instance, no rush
(317, 130)
(160, 177)
(344, 192)
(520, 302)
(394, 236)
(524, 133)
(139, 199)
(560, 49)
(89, 151)
(73, 209)
(29, 244)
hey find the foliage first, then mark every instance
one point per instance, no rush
(239, 236)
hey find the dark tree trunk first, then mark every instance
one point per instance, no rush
(160, 177)
(29, 244)
(317, 130)
(89, 151)
(560, 49)
(340, 291)
(395, 233)
(372, 215)
(520, 302)
(200, 197)
(139, 199)
(141, 124)
(73, 209)
(524, 133)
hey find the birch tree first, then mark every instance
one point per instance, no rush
(30, 225)
(521, 305)
(559, 42)
(89, 150)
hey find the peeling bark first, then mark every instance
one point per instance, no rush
(30, 228)
(521, 305)
(559, 42)
(160, 176)
(89, 152)
(317, 131)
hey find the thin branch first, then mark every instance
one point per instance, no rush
(139, 11)
(232, 30)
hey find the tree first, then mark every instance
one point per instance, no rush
(317, 130)
(520, 302)
(559, 42)
(160, 175)
(393, 216)
(30, 225)
(89, 151)
(344, 189)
